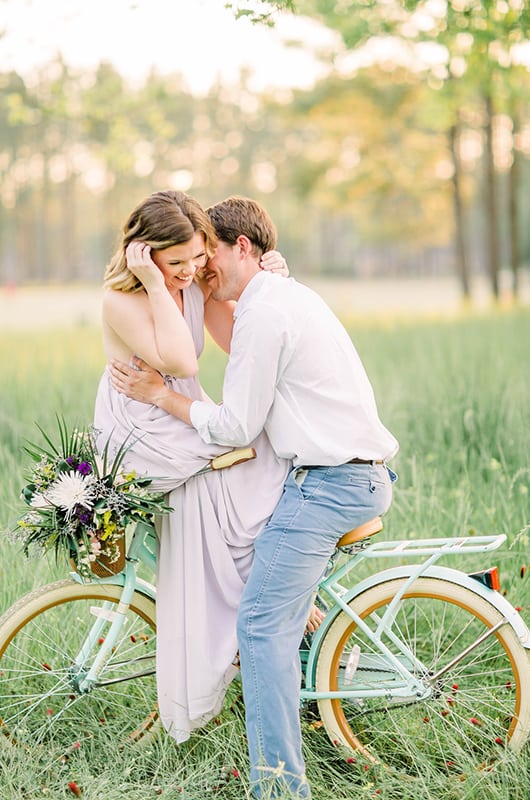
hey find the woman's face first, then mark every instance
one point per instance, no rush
(179, 263)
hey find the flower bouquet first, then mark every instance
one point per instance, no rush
(80, 502)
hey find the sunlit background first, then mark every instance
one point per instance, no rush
(389, 141)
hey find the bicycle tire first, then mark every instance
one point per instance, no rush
(476, 708)
(40, 636)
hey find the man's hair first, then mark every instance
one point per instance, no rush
(240, 216)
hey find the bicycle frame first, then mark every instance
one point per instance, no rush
(406, 667)
(142, 549)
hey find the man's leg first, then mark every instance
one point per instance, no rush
(291, 555)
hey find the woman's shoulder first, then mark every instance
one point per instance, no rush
(115, 301)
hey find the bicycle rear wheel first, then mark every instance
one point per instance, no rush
(478, 704)
(40, 638)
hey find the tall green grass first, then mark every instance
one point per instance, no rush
(457, 396)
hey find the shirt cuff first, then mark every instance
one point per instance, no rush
(200, 413)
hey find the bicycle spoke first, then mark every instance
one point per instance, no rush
(476, 680)
(40, 667)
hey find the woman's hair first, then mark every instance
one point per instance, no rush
(162, 220)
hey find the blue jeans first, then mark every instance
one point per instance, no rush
(291, 555)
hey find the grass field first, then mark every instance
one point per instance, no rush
(455, 393)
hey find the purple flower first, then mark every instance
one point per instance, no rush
(72, 461)
(84, 468)
(84, 515)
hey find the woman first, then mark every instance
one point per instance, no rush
(155, 307)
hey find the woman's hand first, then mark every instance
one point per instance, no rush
(137, 380)
(273, 261)
(139, 261)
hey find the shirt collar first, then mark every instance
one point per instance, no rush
(250, 290)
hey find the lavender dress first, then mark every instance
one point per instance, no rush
(206, 543)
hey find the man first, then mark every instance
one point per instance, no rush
(294, 372)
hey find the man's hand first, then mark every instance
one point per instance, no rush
(138, 380)
(141, 382)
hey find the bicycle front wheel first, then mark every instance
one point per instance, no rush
(45, 653)
(476, 688)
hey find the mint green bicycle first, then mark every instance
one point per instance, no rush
(416, 657)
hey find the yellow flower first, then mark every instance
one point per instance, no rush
(107, 526)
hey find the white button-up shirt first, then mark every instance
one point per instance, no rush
(294, 372)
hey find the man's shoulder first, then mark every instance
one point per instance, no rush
(282, 299)
(284, 291)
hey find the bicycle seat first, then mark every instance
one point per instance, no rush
(361, 532)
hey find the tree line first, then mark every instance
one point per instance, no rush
(404, 168)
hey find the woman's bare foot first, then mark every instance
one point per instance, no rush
(315, 618)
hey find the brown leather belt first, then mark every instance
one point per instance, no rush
(364, 461)
(351, 461)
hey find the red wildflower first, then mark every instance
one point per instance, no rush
(74, 788)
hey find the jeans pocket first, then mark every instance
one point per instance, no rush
(392, 475)
(378, 478)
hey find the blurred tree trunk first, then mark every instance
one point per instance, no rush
(460, 240)
(69, 267)
(492, 236)
(42, 268)
(513, 208)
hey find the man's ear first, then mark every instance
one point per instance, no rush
(245, 246)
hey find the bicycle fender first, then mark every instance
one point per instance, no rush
(141, 586)
(455, 576)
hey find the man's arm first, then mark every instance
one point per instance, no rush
(249, 387)
(257, 352)
(140, 382)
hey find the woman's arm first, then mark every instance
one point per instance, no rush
(150, 324)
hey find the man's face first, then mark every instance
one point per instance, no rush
(224, 272)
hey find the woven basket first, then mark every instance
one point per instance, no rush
(103, 568)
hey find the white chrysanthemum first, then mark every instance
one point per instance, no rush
(72, 489)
